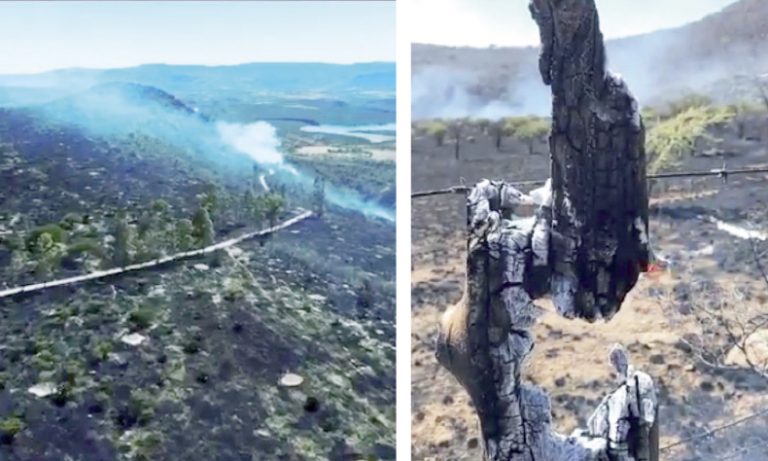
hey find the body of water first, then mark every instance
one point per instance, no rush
(371, 133)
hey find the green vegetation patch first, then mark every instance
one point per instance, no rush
(671, 139)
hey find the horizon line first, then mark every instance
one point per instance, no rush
(147, 64)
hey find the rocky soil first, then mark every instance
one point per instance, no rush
(570, 359)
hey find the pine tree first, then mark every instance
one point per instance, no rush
(273, 203)
(202, 227)
(183, 231)
(123, 246)
(319, 196)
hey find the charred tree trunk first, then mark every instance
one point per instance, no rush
(585, 247)
(600, 202)
(456, 148)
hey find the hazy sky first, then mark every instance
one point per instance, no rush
(481, 23)
(38, 36)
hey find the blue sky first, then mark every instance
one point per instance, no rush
(482, 23)
(39, 36)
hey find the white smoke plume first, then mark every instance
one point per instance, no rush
(444, 92)
(258, 140)
(261, 143)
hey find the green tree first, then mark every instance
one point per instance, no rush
(154, 232)
(527, 129)
(183, 239)
(210, 200)
(48, 254)
(57, 234)
(456, 128)
(202, 227)
(124, 242)
(272, 203)
(532, 132)
(254, 206)
(318, 196)
(437, 129)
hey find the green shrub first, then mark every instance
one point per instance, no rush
(9, 428)
(44, 361)
(142, 406)
(102, 350)
(672, 139)
(141, 318)
(159, 206)
(55, 232)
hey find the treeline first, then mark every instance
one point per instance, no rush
(89, 242)
(528, 129)
(672, 129)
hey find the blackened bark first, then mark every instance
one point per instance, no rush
(586, 247)
(600, 202)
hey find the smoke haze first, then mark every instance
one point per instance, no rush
(261, 143)
(120, 109)
(443, 92)
(258, 140)
(720, 56)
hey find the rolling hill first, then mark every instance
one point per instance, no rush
(105, 168)
(721, 55)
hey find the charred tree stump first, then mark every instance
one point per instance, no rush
(600, 201)
(585, 246)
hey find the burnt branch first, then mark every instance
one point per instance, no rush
(598, 169)
(585, 246)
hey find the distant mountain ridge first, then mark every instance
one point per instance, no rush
(260, 76)
(139, 94)
(324, 93)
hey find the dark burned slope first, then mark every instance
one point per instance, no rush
(49, 166)
(204, 384)
(215, 335)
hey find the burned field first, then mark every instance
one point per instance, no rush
(276, 348)
(669, 323)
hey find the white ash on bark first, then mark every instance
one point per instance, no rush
(598, 167)
(585, 247)
(485, 341)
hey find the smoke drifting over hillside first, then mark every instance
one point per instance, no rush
(261, 143)
(125, 110)
(721, 56)
(443, 92)
(259, 140)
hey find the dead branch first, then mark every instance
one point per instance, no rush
(586, 247)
